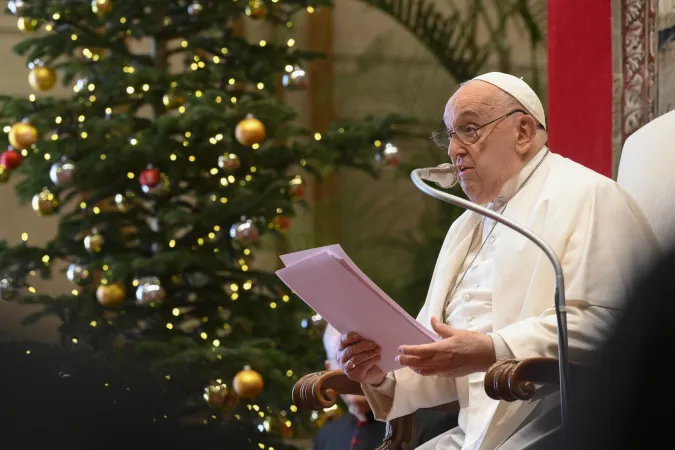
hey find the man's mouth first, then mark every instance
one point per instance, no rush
(463, 169)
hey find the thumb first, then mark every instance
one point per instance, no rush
(443, 330)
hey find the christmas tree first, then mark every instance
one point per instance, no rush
(164, 179)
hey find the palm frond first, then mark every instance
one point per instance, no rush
(450, 39)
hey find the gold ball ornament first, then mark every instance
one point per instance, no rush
(5, 174)
(248, 383)
(101, 7)
(219, 395)
(250, 131)
(27, 25)
(172, 101)
(22, 135)
(45, 203)
(111, 295)
(256, 9)
(93, 243)
(124, 201)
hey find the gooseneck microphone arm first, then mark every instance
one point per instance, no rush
(446, 176)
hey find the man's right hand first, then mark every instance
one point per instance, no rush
(358, 358)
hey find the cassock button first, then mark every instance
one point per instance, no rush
(492, 239)
(467, 298)
(476, 286)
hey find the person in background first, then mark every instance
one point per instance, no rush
(358, 429)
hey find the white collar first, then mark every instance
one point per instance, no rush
(511, 187)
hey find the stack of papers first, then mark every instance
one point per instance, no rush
(333, 286)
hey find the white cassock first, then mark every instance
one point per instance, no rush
(601, 238)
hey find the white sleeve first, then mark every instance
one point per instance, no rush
(410, 393)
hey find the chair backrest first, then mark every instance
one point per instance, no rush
(647, 172)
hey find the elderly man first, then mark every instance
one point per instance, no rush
(359, 430)
(491, 295)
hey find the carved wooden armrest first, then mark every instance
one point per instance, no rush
(320, 390)
(516, 379)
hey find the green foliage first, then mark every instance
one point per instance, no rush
(220, 312)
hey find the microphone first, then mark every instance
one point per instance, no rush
(446, 176)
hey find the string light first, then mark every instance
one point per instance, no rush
(224, 51)
(291, 42)
(317, 136)
(31, 97)
(260, 86)
(47, 156)
(263, 43)
(310, 9)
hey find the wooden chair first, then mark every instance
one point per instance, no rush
(645, 172)
(508, 380)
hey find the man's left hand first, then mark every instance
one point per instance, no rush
(459, 353)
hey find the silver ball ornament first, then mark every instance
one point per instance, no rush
(78, 274)
(195, 9)
(150, 292)
(245, 232)
(18, 7)
(229, 162)
(388, 156)
(295, 79)
(62, 172)
(8, 291)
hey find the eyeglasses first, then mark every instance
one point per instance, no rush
(467, 135)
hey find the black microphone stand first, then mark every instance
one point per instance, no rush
(418, 175)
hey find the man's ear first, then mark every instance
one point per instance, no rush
(527, 132)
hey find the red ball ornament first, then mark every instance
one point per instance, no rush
(280, 223)
(11, 159)
(150, 177)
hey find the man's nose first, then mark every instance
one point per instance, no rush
(455, 150)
